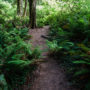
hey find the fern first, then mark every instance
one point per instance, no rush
(16, 56)
(81, 72)
(82, 62)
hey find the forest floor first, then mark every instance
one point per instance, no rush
(49, 75)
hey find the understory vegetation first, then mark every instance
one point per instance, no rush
(17, 58)
(69, 41)
(69, 38)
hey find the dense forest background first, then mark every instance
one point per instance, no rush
(68, 39)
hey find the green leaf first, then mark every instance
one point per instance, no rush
(81, 62)
(81, 72)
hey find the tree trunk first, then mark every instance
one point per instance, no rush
(32, 15)
(25, 9)
(19, 7)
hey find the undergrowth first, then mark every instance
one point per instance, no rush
(16, 56)
(69, 41)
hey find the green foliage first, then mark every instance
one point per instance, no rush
(7, 11)
(44, 9)
(16, 55)
(3, 83)
(70, 36)
(16, 71)
(69, 40)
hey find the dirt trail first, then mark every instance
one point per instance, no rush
(49, 76)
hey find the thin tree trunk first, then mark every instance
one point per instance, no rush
(25, 9)
(19, 7)
(32, 11)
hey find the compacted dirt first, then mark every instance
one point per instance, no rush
(48, 76)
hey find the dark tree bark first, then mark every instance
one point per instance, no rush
(25, 8)
(32, 11)
(19, 7)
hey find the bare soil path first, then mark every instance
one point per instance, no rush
(49, 76)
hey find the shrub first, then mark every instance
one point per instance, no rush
(16, 56)
(7, 11)
(69, 41)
